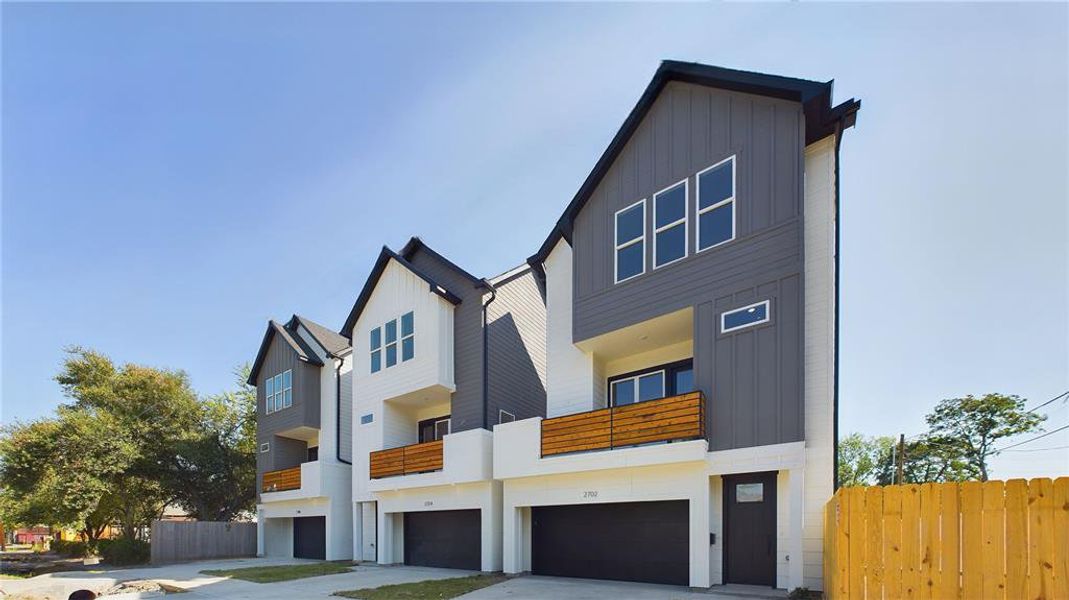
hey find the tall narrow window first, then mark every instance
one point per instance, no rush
(670, 224)
(269, 395)
(408, 336)
(278, 391)
(376, 350)
(716, 204)
(630, 229)
(390, 333)
(287, 389)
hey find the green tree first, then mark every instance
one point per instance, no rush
(970, 427)
(63, 470)
(152, 410)
(213, 475)
(925, 461)
(860, 458)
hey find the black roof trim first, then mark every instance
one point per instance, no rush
(415, 243)
(293, 340)
(820, 121)
(385, 256)
(328, 339)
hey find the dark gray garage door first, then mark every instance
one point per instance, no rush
(443, 538)
(310, 537)
(633, 541)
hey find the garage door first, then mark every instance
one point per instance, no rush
(310, 537)
(443, 538)
(633, 541)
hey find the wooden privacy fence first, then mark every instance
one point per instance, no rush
(178, 541)
(1003, 540)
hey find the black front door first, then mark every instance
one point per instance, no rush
(750, 529)
(444, 538)
(629, 541)
(310, 537)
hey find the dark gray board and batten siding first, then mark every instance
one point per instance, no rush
(285, 453)
(753, 378)
(517, 343)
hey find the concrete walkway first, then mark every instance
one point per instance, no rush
(532, 587)
(57, 586)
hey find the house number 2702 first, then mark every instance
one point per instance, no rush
(590, 494)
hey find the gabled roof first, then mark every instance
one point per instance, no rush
(414, 244)
(294, 341)
(821, 120)
(385, 256)
(328, 340)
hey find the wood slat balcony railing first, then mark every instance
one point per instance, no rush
(406, 460)
(667, 419)
(281, 481)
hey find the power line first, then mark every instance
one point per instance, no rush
(1063, 394)
(1040, 449)
(1052, 432)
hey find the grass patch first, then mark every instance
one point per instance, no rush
(436, 589)
(15, 575)
(281, 572)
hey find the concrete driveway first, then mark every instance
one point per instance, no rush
(57, 586)
(533, 587)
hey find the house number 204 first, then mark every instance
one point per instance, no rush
(590, 494)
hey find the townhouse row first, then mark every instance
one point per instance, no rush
(650, 397)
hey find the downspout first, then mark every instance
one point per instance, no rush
(337, 417)
(486, 354)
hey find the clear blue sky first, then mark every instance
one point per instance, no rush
(175, 175)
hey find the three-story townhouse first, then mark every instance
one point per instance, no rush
(439, 357)
(691, 290)
(303, 380)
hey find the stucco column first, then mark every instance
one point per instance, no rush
(260, 524)
(510, 535)
(795, 521)
(386, 551)
(699, 533)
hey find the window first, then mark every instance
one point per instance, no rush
(408, 337)
(652, 383)
(630, 228)
(749, 492)
(365, 419)
(265, 447)
(385, 341)
(670, 224)
(746, 316)
(278, 391)
(504, 416)
(716, 204)
(313, 454)
(433, 429)
(638, 389)
(376, 350)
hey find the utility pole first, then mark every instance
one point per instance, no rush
(901, 456)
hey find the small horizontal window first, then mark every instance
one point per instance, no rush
(746, 316)
(504, 416)
(265, 447)
(365, 419)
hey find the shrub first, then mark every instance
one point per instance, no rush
(71, 548)
(124, 551)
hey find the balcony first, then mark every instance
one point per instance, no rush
(665, 420)
(311, 479)
(407, 460)
(282, 481)
(621, 437)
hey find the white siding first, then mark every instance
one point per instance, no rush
(819, 350)
(571, 381)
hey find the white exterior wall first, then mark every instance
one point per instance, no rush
(819, 231)
(430, 370)
(572, 380)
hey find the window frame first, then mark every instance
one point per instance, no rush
(265, 447)
(685, 221)
(276, 400)
(397, 344)
(401, 337)
(767, 303)
(699, 211)
(669, 370)
(433, 423)
(501, 412)
(617, 246)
